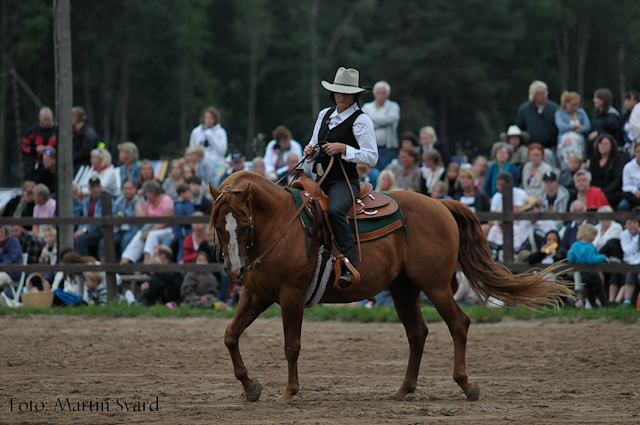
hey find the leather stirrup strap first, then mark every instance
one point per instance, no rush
(342, 261)
(355, 220)
(291, 220)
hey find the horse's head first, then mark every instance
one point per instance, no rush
(231, 218)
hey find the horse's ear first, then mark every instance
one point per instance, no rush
(246, 192)
(214, 192)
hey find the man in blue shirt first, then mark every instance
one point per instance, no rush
(10, 253)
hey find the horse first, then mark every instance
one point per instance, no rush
(252, 218)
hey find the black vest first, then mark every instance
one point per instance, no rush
(342, 133)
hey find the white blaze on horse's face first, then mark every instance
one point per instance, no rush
(233, 248)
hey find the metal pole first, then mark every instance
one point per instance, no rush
(64, 103)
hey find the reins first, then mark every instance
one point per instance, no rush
(291, 170)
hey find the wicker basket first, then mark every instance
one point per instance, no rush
(38, 300)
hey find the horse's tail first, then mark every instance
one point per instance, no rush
(488, 278)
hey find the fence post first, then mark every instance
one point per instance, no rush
(109, 247)
(507, 223)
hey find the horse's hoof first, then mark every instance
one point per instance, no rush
(285, 403)
(395, 397)
(255, 392)
(474, 395)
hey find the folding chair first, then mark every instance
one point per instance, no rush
(16, 290)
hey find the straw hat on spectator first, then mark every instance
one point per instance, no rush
(530, 202)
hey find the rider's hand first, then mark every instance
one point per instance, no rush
(309, 151)
(335, 148)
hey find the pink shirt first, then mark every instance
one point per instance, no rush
(45, 211)
(165, 204)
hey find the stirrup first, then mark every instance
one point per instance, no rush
(350, 271)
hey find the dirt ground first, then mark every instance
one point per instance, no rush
(530, 372)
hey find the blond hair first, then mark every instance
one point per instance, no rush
(428, 130)
(195, 150)
(566, 97)
(94, 277)
(585, 231)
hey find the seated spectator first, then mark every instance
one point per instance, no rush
(624, 136)
(10, 253)
(236, 164)
(257, 166)
(533, 171)
(193, 240)
(506, 178)
(573, 126)
(429, 140)
(285, 178)
(205, 169)
(584, 252)
(200, 289)
(630, 243)
(200, 202)
(550, 252)
(606, 168)
(469, 194)
(530, 235)
(439, 191)
(188, 170)
(183, 207)
(555, 198)
(480, 166)
(605, 118)
(163, 287)
(77, 201)
(29, 243)
(386, 182)
(566, 176)
(408, 139)
(102, 168)
(146, 172)
(145, 240)
(451, 178)
(130, 158)
(45, 206)
(38, 138)
(607, 229)
(426, 177)
(176, 178)
(607, 241)
(502, 153)
(49, 254)
(47, 172)
(21, 206)
(88, 237)
(568, 234)
(518, 140)
(96, 288)
(164, 253)
(74, 283)
(125, 206)
(277, 152)
(592, 197)
(367, 174)
(630, 182)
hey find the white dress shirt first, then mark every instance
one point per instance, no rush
(216, 137)
(362, 130)
(631, 176)
(630, 247)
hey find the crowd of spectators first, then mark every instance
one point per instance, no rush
(555, 157)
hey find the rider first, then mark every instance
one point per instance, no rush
(345, 132)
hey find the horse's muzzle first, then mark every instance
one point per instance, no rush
(235, 273)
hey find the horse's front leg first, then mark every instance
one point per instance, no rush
(292, 303)
(250, 305)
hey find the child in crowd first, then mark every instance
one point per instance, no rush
(439, 191)
(201, 289)
(184, 206)
(96, 288)
(49, 254)
(584, 252)
(630, 243)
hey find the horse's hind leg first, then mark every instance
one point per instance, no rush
(458, 323)
(249, 308)
(406, 298)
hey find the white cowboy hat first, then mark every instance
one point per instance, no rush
(514, 130)
(345, 82)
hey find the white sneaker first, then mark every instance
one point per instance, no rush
(128, 295)
(7, 302)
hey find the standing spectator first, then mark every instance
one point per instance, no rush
(88, 237)
(429, 140)
(518, 140)
(130, 158)
(386, 181)
(592, 197)
(606, 167)
(431, 171)
(10, 253)
(146, 239)
(470, 195)
(29, 243)
(630, 243)
(125, 206)
(502, 153)
(200, 202)
(605, 118)
(45, 206)
(205, 169)
(198, 289)
(85, 138)
(534, 170)
(212, 137)
(555, 197)
(278, 150)
(584, 252)
(566, 176)
(292, 161)
(573, 126)
(624, 136)
(38, 138)
(193, 240)
(175, 179)
(480, 165)
(21, 206)
(146, 172)
(630, 182)
(102, 168)
(47, 172)
(385, 115)
(537, 116)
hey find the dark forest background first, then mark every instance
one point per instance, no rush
(145, 69)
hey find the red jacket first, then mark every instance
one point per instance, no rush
(38, 136)
(190, 252)
(595, 198)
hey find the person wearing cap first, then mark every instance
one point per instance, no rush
(573, 126)
(236, 163)
(537, 116)
(555, 197)
(346, 133)
(88, 237)
(518, 140)
(385, 115)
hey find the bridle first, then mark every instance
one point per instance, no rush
(249, 241)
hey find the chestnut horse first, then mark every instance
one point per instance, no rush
(250, 213)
